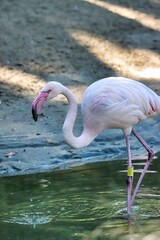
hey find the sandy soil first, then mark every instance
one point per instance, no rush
(76, 43)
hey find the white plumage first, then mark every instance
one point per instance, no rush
(118, 103)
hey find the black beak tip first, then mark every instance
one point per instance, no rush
(35, 115)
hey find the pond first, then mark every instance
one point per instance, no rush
(84, 203)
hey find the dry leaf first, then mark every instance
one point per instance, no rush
(10, 154)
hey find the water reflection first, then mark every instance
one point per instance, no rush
(87, 202)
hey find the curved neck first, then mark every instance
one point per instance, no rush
(86, 137)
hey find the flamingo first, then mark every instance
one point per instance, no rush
(114, 102)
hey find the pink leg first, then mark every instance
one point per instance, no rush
(150, 158)
(129, 176)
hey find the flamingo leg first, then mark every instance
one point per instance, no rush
(131, 196)
(129, 176)
(148, 162)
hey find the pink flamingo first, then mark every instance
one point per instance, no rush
(114, 102)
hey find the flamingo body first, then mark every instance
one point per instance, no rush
(114, 102)
(118, 103)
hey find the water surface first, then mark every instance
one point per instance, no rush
(86, 202)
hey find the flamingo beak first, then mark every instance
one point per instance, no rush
(38, 103)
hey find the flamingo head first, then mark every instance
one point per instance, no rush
(50, 90)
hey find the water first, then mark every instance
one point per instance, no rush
(86, 203)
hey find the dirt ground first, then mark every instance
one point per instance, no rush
(75, 43)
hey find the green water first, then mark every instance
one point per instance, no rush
(86, 203)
